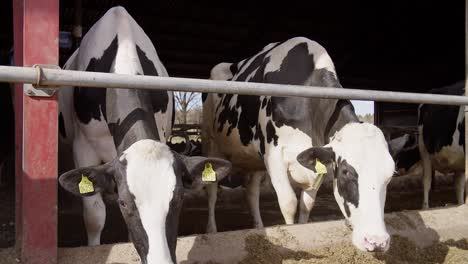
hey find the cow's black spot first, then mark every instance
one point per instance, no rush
(342, 115)
(271, 133)
(461, 131)
(62, 130)
(259, 135)
(439, 121)
(347, 183)
(249, 105)
(204, 96)
(257, 62)
(296, 68)
(233, 68)
(264, 102)
(89, 102)
(128, 128)
(248, 118)
(268, 108)
(227, 114)
(159, 99)
(408, 157)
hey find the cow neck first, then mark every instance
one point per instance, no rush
(130, 117)
(344, 114)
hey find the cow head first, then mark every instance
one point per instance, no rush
(149, 179)
(361, 165)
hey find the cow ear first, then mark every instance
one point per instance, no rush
(88, 181)
(308, 157)
(204, 170)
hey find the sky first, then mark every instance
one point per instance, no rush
(363, 107)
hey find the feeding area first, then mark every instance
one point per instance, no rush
(224, 132)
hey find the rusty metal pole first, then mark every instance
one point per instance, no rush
(36, 42)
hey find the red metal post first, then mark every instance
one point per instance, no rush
(36, 42)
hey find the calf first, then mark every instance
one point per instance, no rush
(442, 141)
(292, 137)
(123, 128)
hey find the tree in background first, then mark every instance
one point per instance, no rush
(186, 101)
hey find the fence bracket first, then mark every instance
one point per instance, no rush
(37, 89)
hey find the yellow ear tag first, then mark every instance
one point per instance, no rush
(85, 185)
(208, 174)
(321, 170)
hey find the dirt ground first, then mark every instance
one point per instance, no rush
(402, 250)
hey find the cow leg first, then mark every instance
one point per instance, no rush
(253, 197)
(427, 182)
(459, 178)
(279, 179)
(306, 205)
(94, 209)
(212, 193)
(427, 169)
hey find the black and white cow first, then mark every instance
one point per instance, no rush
(288, 136)
(442, 141)
(123, 129)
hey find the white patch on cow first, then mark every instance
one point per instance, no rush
(292, 142)
(364, 147)
(151, 179)
(221, 71)
(98, 136)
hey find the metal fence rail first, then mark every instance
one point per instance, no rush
(55, 77)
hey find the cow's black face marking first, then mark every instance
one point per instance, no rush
(89, 102)
(129, 209)
(131, 214)
(347, 184)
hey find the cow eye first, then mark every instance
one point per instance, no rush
(122, 203)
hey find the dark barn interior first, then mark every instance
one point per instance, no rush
(409, 46)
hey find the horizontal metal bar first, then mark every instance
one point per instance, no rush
(110, 80)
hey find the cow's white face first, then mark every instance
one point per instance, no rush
(149, 178)
(359, 159)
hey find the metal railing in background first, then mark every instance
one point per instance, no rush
(47, 78)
